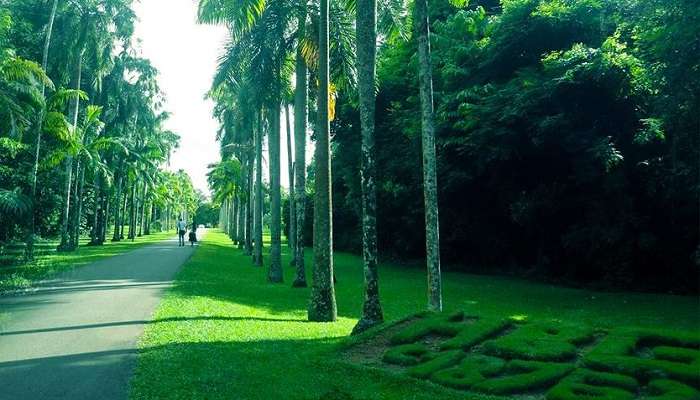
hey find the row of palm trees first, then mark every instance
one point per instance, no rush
(90, 114)
(325, 47)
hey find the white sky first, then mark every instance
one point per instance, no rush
(186, 55)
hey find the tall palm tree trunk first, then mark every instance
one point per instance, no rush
(150, 217)
(39, 126)
(96, 220)
(117, 208)
(432, 229)
(232, 216)
(291, 229)
(142, 216)
(66, 243)
(239, 230)
(124, 206)
(323, 306)
(300, 115)
(104, 217)
(366, 60)
(78, 206)
(132, 211)
(257, 252)
(248, 193)
(275, 271)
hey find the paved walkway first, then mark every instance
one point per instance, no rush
(75, 337)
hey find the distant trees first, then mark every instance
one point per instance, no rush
(106, 130)
(534, 140)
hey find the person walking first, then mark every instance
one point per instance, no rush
(181, 230)
(193, 234)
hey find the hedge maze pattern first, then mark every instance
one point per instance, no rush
(551, 359)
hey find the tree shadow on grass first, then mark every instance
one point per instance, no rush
(224, 273)
(270, 369)
(144, 322)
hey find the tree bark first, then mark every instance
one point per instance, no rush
(239, 231)
(95, 232)
(66, 244)
(249, 207)
(323, 306)
(291, 229)
(257, 252)
(142, 210)
(117, 209)
(275, 270)
(78, 206)
(39, 127)
(432, 229)
(300, 117)
(366, 66)
(132, 212)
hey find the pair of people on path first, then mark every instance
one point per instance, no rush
(182, 229)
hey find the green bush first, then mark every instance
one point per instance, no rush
(664, 389)
(438, 362)
(475, 333)
(542, 341)
(675, 355)
(406, 354)
(521, 376)
(432, 324)
(473, 369)
(591, 385)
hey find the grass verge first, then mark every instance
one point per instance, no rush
(238, 336)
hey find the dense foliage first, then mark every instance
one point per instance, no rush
(82, 134)
(568, 142)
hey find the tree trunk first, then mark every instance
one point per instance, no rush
(39, 126)
(104, 217)
(142, 217)
(249, 206)
(240, 229)
(275, 271)
(257, 252)
(300, 116)
(117, 209)
(132, 212)
(323, 306)
(95, 232)
(122, 222)
(66, 244)
(291, 229)
(432, 229)
(149, 219)
(78, 206)
(366, 60)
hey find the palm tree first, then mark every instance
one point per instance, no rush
(323, 306)
(291, 232)
(258, 234)
(275, 269)
(300, 116)
(432, 228)
(366, 56)
(38, 124)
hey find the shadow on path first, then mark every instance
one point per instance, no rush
(143, 322)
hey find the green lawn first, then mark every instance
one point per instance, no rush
(223, 332)
(22, 276)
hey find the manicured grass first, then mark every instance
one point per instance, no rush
(224, 332)
(21, 276)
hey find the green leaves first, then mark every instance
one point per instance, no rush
(13, 202)
(225, 179)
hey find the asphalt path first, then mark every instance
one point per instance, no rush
(75, 337)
